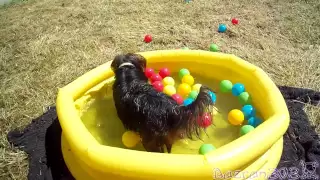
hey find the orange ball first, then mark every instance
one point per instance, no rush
(184, 89)
(236, 117)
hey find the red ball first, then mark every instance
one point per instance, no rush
(155, 77)
(148, 38)
(148, 72)
(235, 21)
(164, 72)
(177, 98)
(205, 121)
(158, 85)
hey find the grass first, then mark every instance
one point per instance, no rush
(47, 44)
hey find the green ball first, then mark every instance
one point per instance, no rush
(226, 86)
(244, 98)
(193, 94)
(246, 129)
(205, 148)
(183, 72)
(185, 48)
(214, 48)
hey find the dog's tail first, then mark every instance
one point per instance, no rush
(190, 116)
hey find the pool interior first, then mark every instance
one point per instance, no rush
(99, 116)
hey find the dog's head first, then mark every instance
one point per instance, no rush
(130, 60)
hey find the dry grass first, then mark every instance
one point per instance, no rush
(47, 44)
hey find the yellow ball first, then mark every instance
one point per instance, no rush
(196, 87)
(188, 79)
(236, 117)
(184, 90)
(168, 81)
(130, 139)
(169, 90)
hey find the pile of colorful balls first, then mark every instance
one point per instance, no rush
(247, 112)
(186, 92)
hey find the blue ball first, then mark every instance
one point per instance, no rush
(187, 101)
(237, 89)
(222, 28)
(248, 111)
(254, 121)
(213, 96)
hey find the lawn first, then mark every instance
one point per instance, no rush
(45, 44)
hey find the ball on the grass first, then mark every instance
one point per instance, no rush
(235, 117)
(183, 72)
(248, 111)
(184, 89)
(148, 72)
(225, 86)
(147, 38)
(222, 28)
(246, 129)
(158, 85)
(237, 89)
(193, 94)
(169, 90)
(244, 98)
(177, 98)
(188, 79)
(155, 77)
(196, 87)
(185, 48)
(214, 48)
(168, 81)
(130, 139)
(164, 72)
(254, 121)
(235, 21)
(205, 148)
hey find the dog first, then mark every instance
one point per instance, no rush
(155, 116)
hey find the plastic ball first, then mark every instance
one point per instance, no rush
(222, 28)
(147, 38)
(177, 98)
(237, 89)
(205, 148)
(214, 48)
(244, 98)
(130, 139)
(225, 86)
(235, 117)
(248, 111)
(183, 72)
(169, 90)
(254, 121)
(185, 48)
(155, 77)
(196, 87)
(193, 94)
(213, 96)
(246, 129)
(164, 72)
(168, 81)
(188, 79)
(158, 85)
(184, 89)
(234, 21)
(187, 101)
(149, 72)
(205, 121)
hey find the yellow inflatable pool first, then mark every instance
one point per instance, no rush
(91, 137)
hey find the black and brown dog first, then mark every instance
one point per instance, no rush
(155, 116)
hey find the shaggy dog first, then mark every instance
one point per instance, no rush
(155, 116)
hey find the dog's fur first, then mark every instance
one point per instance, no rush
(155, 116)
